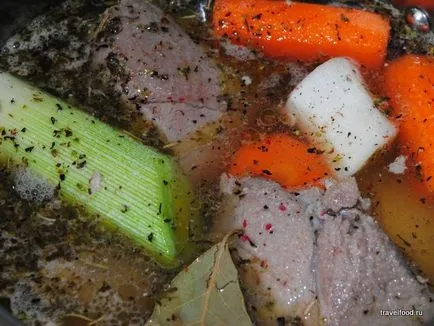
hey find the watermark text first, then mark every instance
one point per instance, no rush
(401, 312)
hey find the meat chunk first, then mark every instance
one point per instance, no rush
(360, 272)
(278, 240)
(158, 67)
(317, 255)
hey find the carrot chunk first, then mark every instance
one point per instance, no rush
(409, 82)
(280, 158)
(301, 31)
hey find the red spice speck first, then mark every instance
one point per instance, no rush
(268, 226)
(244, 238)
(282, 207)
(181, 99)
(244, 223)
(169, 98)
(264, 264)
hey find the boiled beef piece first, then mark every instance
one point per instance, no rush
(278, 244)
(316, 256)
(360, 272)
(158, 68)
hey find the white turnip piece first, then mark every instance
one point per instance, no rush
(337, 114)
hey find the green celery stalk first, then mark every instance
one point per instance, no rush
(142, 193)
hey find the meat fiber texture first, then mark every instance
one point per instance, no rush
(159, 69)
(313, 256)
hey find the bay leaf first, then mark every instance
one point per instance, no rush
(206, 293)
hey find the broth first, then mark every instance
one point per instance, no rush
(59, 265)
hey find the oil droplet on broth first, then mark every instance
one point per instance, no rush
(30, 187)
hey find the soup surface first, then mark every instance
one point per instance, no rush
(59, 266)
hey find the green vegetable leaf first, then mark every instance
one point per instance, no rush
(205, 293)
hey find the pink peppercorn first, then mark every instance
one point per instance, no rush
(244, 238)
(268, 226)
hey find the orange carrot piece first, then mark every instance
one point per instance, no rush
(409, 82)
(301, 31)
(426, 4)
(281, 158)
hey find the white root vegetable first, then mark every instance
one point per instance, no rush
(335, 111)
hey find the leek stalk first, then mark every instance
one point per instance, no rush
(138, 191)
